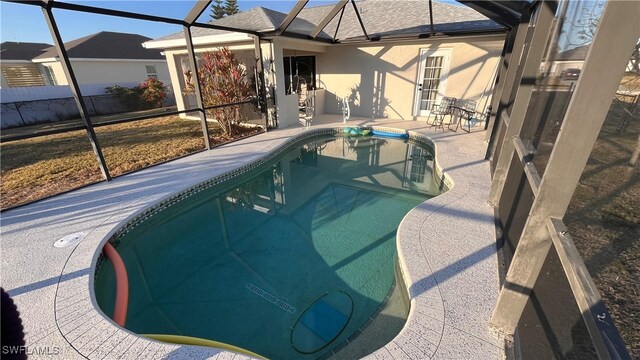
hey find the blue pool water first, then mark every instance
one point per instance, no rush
(287, 260)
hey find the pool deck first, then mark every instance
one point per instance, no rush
(447, 251)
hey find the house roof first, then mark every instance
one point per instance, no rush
(380, 17)
(106, 45)
(10, 50)
(578, 53)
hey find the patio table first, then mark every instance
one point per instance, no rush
(457, 113)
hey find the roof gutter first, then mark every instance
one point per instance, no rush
(200, 40)
(361, 40)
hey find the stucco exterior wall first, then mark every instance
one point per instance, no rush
(287, 105)
(57, 71)
(244, 52)
(558, 66)
(381, 79)
(110, 72)
(3, 82)
(90, 72)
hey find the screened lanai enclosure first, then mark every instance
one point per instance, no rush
(559, 80)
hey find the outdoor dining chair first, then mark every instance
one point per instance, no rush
(441, 110)
(464, 110)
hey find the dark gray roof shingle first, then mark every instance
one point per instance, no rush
(107, 45)
(577, 53)
(380, 17)
(10, 50)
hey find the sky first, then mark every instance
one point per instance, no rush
(26, 23)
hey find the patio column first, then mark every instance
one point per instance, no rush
(268, 65)
(196, 85)
(285, 105)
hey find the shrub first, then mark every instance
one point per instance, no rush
(147, 95)
(128, 97)
(153, 93)
(223, 80)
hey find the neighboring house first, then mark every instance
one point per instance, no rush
(398, 78)
(569, 59)
(107, 57)
(17, 68)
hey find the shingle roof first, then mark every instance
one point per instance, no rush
(10, 50)
(107, 45)
(380, 17)
(577, 53)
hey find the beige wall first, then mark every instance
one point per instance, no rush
(58, 73)
(559, 66)
(287, 105)
(97, 72)
(244, 52)
(3, 82)
(381, 79)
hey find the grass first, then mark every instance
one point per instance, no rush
(38, 167)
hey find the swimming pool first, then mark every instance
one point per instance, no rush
(288, 259)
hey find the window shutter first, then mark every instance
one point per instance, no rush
(22, 75)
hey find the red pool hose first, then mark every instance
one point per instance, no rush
(122, 284)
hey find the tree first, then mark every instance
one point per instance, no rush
(223, 80)
(231, 7)
(217, 10)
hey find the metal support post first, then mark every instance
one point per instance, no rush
(262, 92)
(196, 85)
(600, 77)
(75, 89)
(507, 77)
(521, 102)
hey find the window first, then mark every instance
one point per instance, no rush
(417, 165)
(151, 71)
(432, 79)
(50, 76)
(431, 82)
(298, 71)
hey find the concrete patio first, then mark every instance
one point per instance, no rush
(446, 248)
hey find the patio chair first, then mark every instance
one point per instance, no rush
(441, 110)
(309, 108)
(466, 109)
(301, 90)
(479, 118)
